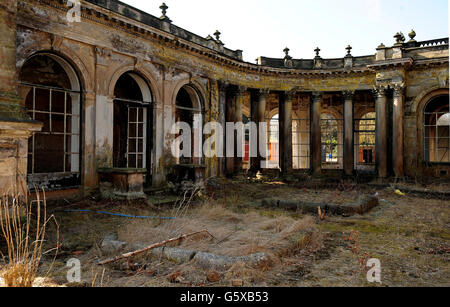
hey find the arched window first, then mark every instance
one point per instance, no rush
(51, 92)
(188, 109)
(273, 142)
(132, 113)
(365, 135)
(332, 141)
(332, 132)
(437, 130)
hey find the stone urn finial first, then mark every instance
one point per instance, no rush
(217, 35)
(317, 51)
(164, 16)
(349, 50)
(412, 35)
(286, 53)
(399, 38)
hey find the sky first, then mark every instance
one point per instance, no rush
(266, 27)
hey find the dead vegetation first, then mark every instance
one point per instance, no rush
(23, 224)
(409, 235)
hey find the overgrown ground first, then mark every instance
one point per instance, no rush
(409, 235)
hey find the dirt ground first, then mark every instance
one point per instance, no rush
(409, 235)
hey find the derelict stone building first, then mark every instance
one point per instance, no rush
(84, 102)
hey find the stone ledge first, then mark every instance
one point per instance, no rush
(363, 205)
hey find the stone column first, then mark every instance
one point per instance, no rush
(90, 180)
(222, 120)
(15, 124)
(381, 134)
(316, 136)
(262, 104)
(397, 127)
(239, 101)
(286, 132)
(260, 110)
(348, 133)
(230, 118)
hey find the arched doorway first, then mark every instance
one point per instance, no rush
(437, 130)
(189, 110)
(132, 135)
(51, 92)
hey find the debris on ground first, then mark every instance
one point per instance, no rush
(295, 247)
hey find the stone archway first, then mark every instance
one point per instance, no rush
(419, 106)
(133, 123)
(51, 90)
(189, 109)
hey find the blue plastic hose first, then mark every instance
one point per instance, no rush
(124, 215)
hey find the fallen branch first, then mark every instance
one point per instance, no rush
(156, 245)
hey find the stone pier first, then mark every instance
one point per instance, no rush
(381, 135)
(286, 131)
(258, 115)
(348, 133)
(397, 127)
(316, 144)
(15, 125)
(239, 101)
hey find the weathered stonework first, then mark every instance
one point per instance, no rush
(113, 39)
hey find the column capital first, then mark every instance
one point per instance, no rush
(379, 91)
(290, 94)
(348, 95)
(399, 89)
(317, 96)
(89, 95)
(263, 92)
(241, 90)
(223, 86)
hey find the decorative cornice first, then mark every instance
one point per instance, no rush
(431, 62)
(136, 28)
(382, 65)
(114, 20)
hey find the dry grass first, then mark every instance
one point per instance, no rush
(236, 234)
(408, 234)
(24, 228)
